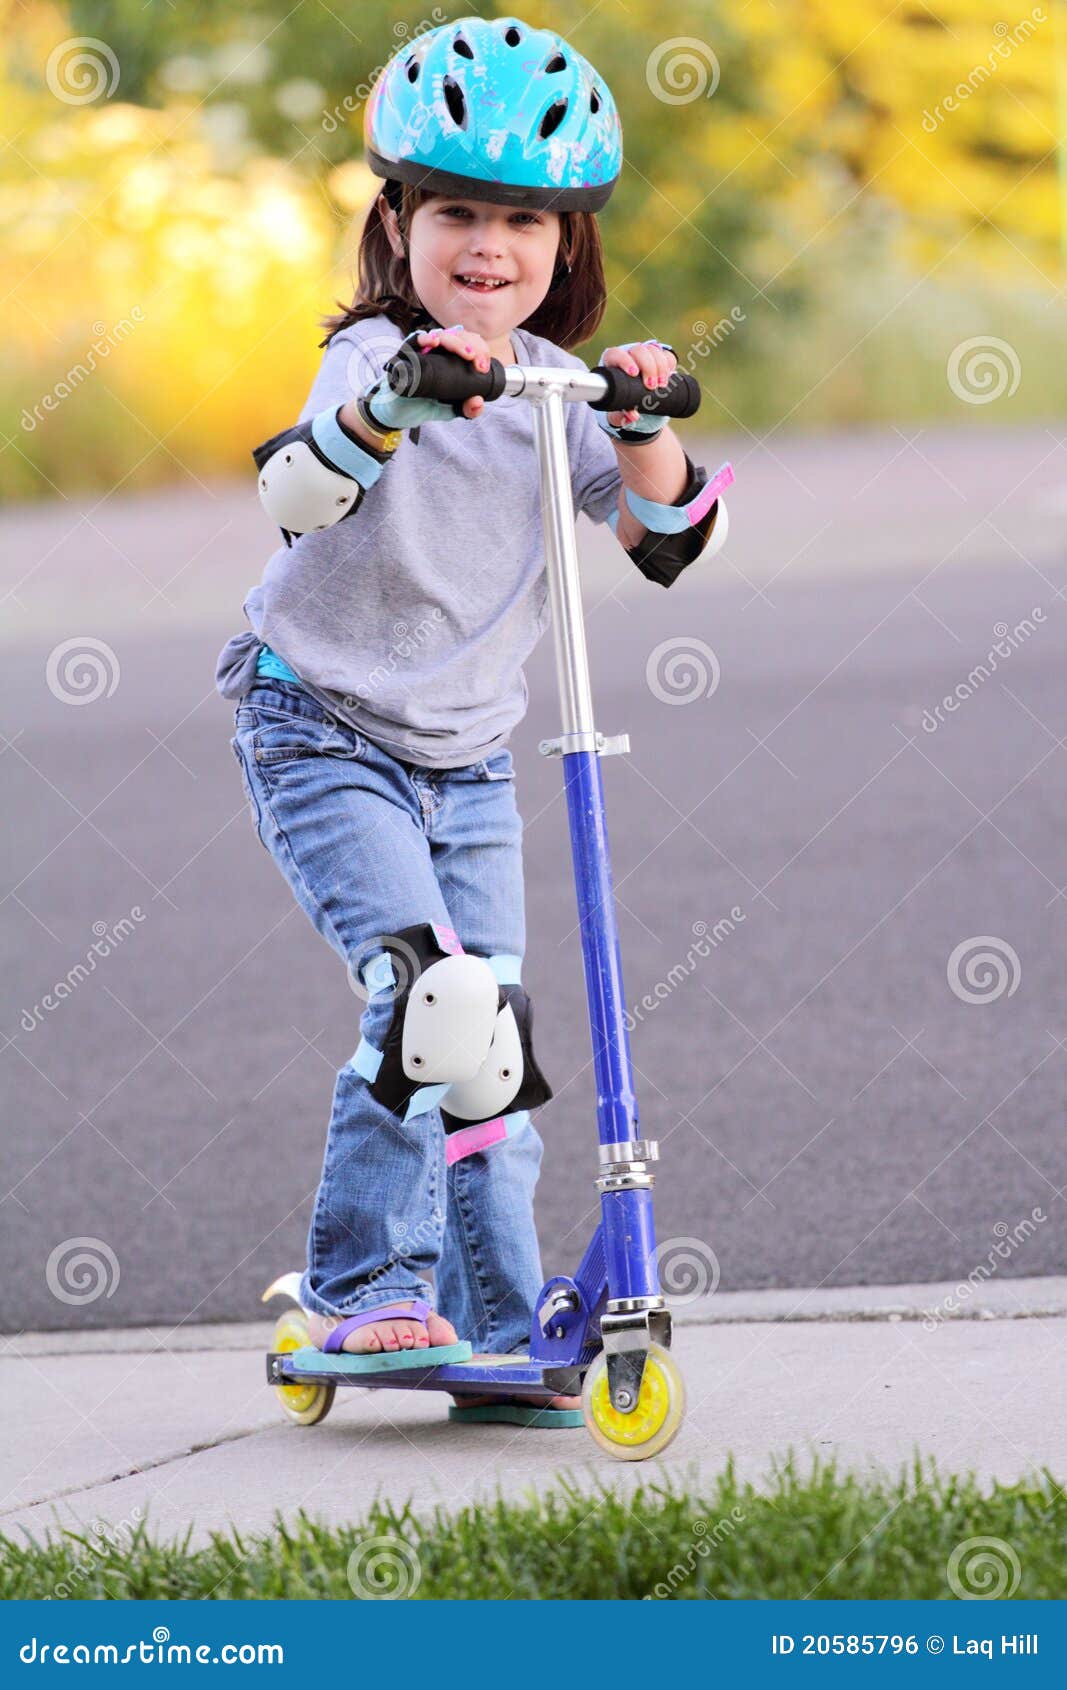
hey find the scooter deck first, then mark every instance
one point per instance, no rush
(447, 1367)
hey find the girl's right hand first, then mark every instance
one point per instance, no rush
(392, 410)
(466, 344)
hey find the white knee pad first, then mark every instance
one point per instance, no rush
(460, 1035)
(449, 1021)
(491, 1089)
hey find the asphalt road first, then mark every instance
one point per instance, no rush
(829, 1107)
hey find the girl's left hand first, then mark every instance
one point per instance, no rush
(646, 359)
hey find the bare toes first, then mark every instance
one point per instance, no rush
(439, 1330)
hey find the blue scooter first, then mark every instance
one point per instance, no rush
(606, 1331)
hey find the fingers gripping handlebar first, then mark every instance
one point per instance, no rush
(678, 397)
(447, 377)
(444, 376)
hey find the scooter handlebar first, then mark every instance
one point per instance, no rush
(445, 376)
(678, 397)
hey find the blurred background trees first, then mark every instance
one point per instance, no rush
(820, 203)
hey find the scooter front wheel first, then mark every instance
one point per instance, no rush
(304, 1404)
(652, 1424)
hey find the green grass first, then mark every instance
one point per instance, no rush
(819, 1534)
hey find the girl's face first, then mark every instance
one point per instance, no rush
(453, 239)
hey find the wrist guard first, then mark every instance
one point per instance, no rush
(693, 525)
(645, 428)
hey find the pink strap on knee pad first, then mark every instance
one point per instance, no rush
(469, 1139)
(447, 938)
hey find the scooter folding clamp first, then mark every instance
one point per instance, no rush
(562, 1298)
(613, 745)
(626, 1150)
(627, 1160)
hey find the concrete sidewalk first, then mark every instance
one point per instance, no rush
(179, 1425)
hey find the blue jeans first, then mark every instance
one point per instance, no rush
(369, 845)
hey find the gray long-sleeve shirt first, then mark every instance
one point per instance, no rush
(412, 618)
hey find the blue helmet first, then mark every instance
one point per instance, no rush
(488, 108)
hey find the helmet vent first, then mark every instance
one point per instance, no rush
(512, 36)
(556, 62)
(412, 68)
(552, 119)
(454, 100)
(462, 45)
(594, 102)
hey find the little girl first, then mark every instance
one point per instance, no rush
(382, 676)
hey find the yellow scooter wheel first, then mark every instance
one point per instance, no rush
(306, 1404)
(653, 1423)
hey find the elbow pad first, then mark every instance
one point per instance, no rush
(315, 474)
(694, 525)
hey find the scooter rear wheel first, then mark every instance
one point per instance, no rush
(653, 1423)
(304, 1404)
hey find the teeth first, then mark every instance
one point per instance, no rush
(473, 281)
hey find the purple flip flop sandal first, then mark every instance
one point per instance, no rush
(376, 1361)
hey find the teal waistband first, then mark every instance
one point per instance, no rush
(271, 665)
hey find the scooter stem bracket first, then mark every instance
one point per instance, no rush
(627, 1333)
(635, 1177)
(613, 745)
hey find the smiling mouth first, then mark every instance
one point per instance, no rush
(470, 284)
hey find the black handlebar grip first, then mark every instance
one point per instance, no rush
(443, 375)
(679, 397)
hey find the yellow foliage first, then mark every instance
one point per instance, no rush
(190, 288)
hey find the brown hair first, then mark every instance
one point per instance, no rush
(569, 314)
